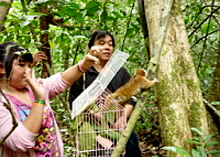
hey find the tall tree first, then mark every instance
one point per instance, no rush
(178, 93)
(214, 120)
(4, 8)
(215, 88)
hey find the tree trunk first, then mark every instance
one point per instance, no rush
(144, 25)
(214, 120)
(4, 9)
(215, 87)
(44, 37)
(178, 93)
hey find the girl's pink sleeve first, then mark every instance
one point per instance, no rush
(20, 139)
(55, 85)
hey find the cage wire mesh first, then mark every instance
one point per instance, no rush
(100, 83)
(99, 127)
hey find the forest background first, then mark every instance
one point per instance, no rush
(62, 29)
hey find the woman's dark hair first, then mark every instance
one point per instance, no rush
(10, 51)
(100, 34)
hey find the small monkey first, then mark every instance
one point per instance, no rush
(132, 87)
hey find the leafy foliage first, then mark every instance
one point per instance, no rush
(201, 20)
(76, 20)
(202, 146)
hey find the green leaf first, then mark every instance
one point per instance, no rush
(117, 15)
(197, 138)
(79, 37)
(69, 11)
(79, 17)
(193, 141)
(40, 1)
(215, 103)
(195, 153)
(92, 4)
(202, 151)
(211, 143)
(92, 7)
(197, 131)
(24, 23)
(129, 1)
(214, 152)
(207, 137)
(31, 17)
(74, 5)
(178, 150)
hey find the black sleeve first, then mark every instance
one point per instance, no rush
(125, 76)
(75, 91)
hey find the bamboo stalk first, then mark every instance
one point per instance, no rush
(126, 133)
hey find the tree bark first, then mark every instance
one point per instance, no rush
(144, 25)
(44, 37)
(4, 9)
(215, 87)
(214, 120)
(178, 93)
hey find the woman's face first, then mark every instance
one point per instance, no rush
(20, 71)
(106, 48)
(2, 71)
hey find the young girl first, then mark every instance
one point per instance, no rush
(35, 132)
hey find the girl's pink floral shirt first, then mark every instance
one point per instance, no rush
(22, 142)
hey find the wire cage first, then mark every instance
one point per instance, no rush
(99, 127)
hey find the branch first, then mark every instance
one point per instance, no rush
(204, 43)
(199, 14)
(128, 25)
(4, 9)
(204, 37)
(161, 35)
(144, 26)
(143, 18)
(58, 22)
(212, 108)
(203, 22)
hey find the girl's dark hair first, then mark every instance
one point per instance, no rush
(10, 51)
(100, 34)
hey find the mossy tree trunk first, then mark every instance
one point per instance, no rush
(179, 96)
(4, 9)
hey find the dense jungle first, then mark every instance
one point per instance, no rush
(178, 41)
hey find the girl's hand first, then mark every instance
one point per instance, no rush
(37, 87)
